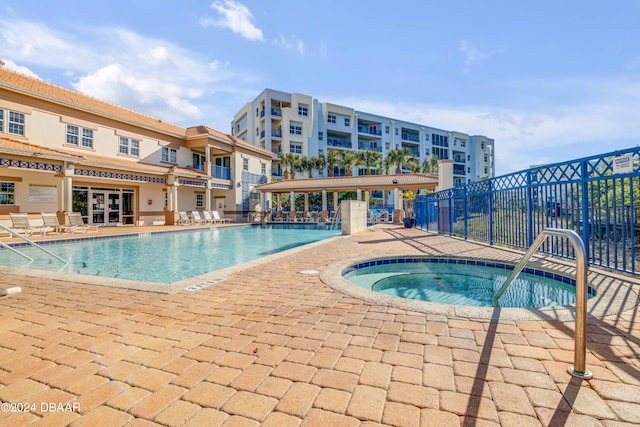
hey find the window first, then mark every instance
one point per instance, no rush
(199, 200)
(87, 138)
(486, 171)
(331, 118)
(7, 192)
(303, 110)
(396, 131)
(257, 111)
(347, 121)
(129, 146)
(257, 131)
(169, 155)
(468, 169)
(72, 135)
(387, 145)
(486, 158)
(245, 164)
(263, 169)
(320, 136)
(16, 123)
(295, 128)
(426, 136)
(426, 151)
(295, 148)
(1, 120)
(386, 129)
(482, 145)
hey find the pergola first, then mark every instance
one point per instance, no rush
(360, 184)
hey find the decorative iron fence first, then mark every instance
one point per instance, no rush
(598, 197)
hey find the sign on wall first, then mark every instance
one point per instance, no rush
(41, 193)
(623, 164)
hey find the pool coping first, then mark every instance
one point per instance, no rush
(196, 282)
(609, 299)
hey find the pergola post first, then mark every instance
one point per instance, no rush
(292, 203)
(324, 213)
(398, 211)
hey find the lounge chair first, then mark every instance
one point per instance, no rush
(183, 218)
(208, 219)
(217, 217)
(20, 221)
(196, 218)
(279, 217)
(50, 221)
(382, 217)
(75, 220)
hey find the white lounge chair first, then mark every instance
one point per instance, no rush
(20, 221)
(50, 221)
(217, 217)
(75, 220)
(196, 218)
(183, 218)
(382, 217)
(208, 219)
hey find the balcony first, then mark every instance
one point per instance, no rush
(220, 172)
(276, 133)
(262, 113)
(276, 112)
(459, 170)
(198, 166)
(370, 130)
(277, 151)
(262, 134)
(410, 137)
(369, 146)
(459, 159)
(339, 143)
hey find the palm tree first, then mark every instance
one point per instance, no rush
(413, 164)
(306, 164)
(321, 162)
(370, 159)
(296, 166)
(333, 159)
(398, 157)
(285, 161)
(350, 159)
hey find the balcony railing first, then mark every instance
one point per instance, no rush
(370, 131)
(262, 113)
(368, 146)
(276, 112)
(198, 166)
(276, 133)
(410, 137)
(331, 142)
(220, 172)
(262, 134)
(277, 151)
(459, 159)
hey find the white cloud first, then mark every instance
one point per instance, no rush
(471, 53)
(144, 74)
(236, 17)
(524, 137)
(293, 44)
(10, 65)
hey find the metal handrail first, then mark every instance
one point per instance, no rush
(578, 368)
(15, 233)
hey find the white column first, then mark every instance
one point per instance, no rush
(324, 200)
(335, 201)
(359, 195)
(306, 201)
(292, 201)
(207, 198)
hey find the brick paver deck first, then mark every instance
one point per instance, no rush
(271, 346)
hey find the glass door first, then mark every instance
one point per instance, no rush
(97, 214)
(113, 208)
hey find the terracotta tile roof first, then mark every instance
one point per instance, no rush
(412, 181)
(14, 146)
(12, 80)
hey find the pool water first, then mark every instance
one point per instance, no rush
(467, 284)
(170, 256)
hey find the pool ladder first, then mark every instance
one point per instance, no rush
(31, 242)
(578, 368)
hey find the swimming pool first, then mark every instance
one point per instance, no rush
(167, 257)
(465, 282)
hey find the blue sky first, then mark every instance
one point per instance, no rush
(548, 80)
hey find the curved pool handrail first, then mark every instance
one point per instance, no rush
(578, 369)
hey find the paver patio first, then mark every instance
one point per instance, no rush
(272, 346)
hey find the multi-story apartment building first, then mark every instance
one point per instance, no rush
(63, 151)
(284, 122)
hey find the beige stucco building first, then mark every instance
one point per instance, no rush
(63, 151)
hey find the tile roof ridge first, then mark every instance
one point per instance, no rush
(40, 93)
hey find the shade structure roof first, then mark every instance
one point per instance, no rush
(410, 181)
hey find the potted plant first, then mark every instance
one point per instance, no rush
(409, 199)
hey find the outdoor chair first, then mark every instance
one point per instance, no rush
(382, 217)
(196, 218)
(20, 221)
(217, 217)
(50, 221)
(76, 221)
(208, 219)
(183, 218)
